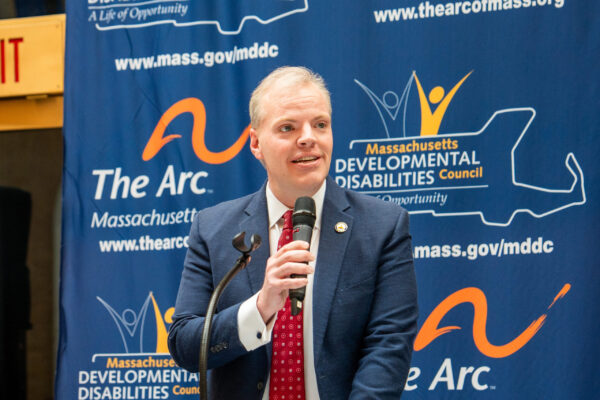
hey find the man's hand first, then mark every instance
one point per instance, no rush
(290, 259)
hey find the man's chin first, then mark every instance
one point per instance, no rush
(297, 185)
(308, 187)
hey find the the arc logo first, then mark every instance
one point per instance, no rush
(196, 108)
(431, 329)
(428, 171)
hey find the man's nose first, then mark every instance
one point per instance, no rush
(307, 135)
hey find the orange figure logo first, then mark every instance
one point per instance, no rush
(431, 330)
(196, 108)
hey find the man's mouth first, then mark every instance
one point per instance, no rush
(305, 159)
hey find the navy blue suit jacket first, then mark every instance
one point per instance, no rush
(364, 298)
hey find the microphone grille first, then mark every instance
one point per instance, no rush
(304, 211)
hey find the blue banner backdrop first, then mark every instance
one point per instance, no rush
(480, 117)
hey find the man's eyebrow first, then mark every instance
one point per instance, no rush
(293, 120)
(283, 119)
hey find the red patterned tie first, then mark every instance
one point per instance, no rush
(287, 362)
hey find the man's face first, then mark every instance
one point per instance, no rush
(294, 141)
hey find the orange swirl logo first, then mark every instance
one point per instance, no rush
(431, 330)
(196, 108)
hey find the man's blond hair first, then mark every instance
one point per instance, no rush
(286, 77)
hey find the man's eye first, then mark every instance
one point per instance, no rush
(285, 128)
(322, 125)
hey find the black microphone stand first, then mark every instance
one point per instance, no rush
(241, 262)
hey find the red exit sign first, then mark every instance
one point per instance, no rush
(9, 53)
(32, 52)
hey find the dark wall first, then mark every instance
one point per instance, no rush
(32, 161)
(30, 8)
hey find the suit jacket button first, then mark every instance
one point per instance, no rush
(260, 385)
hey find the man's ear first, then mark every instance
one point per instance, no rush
(254, 146)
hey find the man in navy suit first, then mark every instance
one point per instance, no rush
(356, 331)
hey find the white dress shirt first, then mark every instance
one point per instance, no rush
(250, 323)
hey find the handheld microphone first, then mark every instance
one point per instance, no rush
(303, 219)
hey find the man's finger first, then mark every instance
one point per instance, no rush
(289, 268)
(295, 256)
(294, 283)
(295, 245)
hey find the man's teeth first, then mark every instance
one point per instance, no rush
(303, 159)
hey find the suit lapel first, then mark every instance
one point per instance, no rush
(332, 247)
(256, 221)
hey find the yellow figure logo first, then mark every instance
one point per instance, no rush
(431, 121)
(161, 329)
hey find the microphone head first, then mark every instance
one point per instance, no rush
(304, 212)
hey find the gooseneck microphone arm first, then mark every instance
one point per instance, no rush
(303, 219)
(241, 262)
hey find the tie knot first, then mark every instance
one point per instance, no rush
(287, 220)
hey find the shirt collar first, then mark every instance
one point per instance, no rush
(276, 208)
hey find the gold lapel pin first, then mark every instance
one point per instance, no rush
(341, 227)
